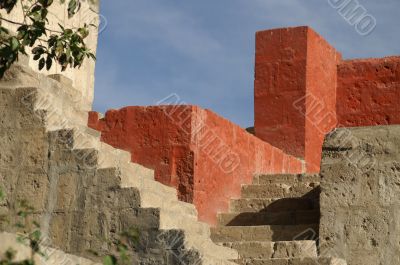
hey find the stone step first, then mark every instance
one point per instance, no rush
(296, 261)
(174, 214)
(286, 178)
(268, 218)
(213, 252)
(145, 186)
(86, 139)
(61, 95)
(63, 115)
(179, 220)
(149, 199)
(280, 249)
(278, 190)
(264, 233)
(205, 260)
(272, 204)
(56, 120)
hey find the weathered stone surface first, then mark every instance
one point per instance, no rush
(360, 205)
(275, 222)
(53, 256)
(82, 201)
(288, 179)
(262, 233)
(296, 261)
(275, 250)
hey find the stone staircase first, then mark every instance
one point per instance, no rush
(275, 222)
(85, 190)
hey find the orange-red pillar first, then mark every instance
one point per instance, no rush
(295, 91)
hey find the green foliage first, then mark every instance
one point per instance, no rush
(65, 46)
(30, 239)
(127, 238)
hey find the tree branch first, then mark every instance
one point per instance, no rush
(23, 24)
(12, 22)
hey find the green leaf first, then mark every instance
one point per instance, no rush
(72, 5)
(14, 44)
(8, 5)
(42, 63)
(44, 13)
(38, 50)
(36, 235)
(49, 62)
(109, 260)
(84, 32)
(46, 3)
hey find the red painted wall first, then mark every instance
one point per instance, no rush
(280, 80)
(368, 92)
(295, 86)
(157, 137)
(207, 158)
(227, 157)
(320, 105)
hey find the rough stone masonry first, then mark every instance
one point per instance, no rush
(360, 197)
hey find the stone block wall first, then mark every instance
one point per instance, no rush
(360, 203)
(80, 202)
(303, 89)
(207, 158)
(52, 256)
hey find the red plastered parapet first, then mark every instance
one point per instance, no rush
(368, 92)
(206, 157)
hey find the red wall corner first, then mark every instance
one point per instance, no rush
(294, 88)
(206, 157)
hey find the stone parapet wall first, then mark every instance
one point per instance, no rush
(206, 157)
(360, 203)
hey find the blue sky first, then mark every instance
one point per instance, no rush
(204, 50)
